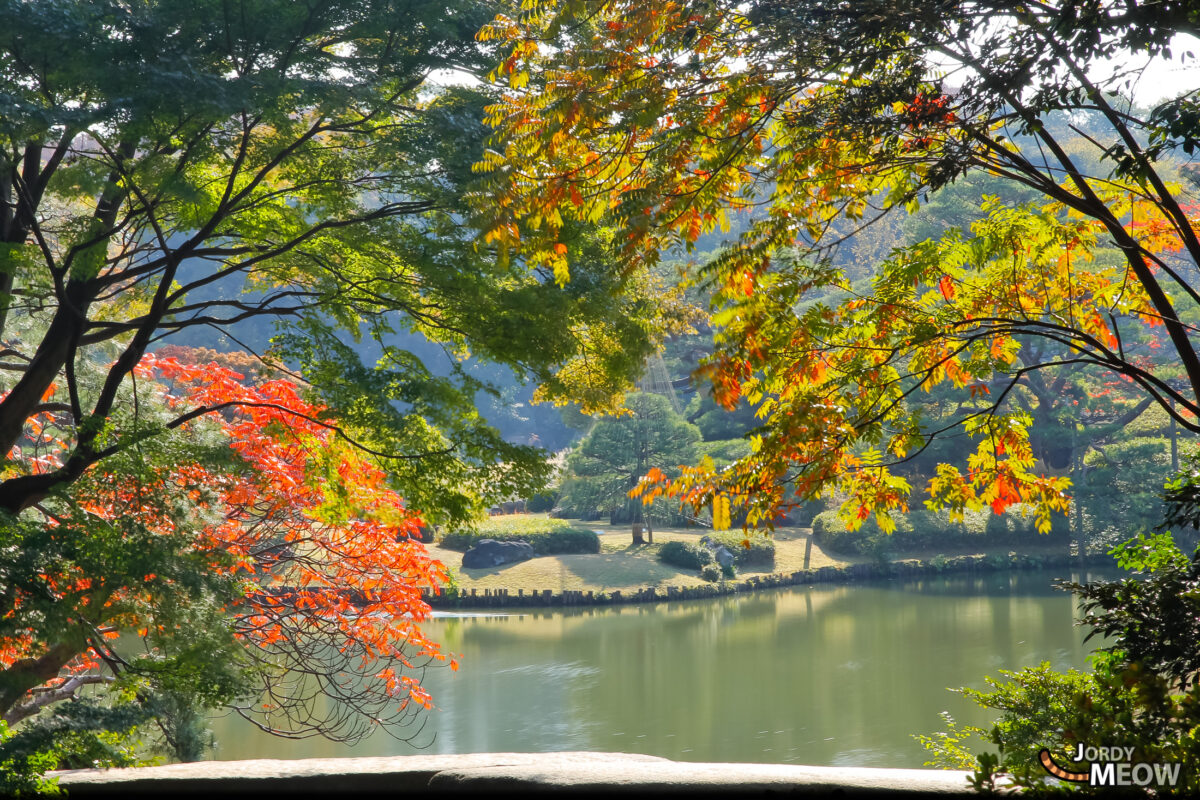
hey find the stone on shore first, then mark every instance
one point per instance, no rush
(491, 553)
(723, 556)
(720, 552)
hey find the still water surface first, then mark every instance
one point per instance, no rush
(823, 675)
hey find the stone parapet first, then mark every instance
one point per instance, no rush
(570, 773)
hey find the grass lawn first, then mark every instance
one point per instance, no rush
(622, 565)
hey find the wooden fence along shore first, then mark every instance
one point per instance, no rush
(910, 568)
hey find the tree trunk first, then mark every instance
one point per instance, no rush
(48, 359)
(1080, 480)
(27, 673)
(1174, 444)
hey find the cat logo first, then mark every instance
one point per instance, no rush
(1111, 766)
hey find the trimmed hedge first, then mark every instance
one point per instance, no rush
(761, 551)
(544, 542)
(921, 529)
(687, 555)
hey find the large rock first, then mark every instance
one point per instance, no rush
(491, 553)
(723, 556)
(720, 552)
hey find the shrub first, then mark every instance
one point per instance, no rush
(922, 529)
(710, 573)
(998, 561)
(761, 549)
(688, 555)
(541, 502)
(1117, 703)
(520, 523)
(830, 532)
(1142, 693)
(729, 571)
(546, 536)
(76, 735)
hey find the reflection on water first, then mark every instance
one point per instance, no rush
(825, 675)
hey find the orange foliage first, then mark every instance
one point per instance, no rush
(325, 554)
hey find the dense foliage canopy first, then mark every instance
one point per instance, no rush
(664, 119)
(172, 168)
(167, 168)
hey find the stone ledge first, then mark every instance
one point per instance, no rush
(581, 772)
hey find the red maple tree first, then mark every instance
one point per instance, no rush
(319, 569)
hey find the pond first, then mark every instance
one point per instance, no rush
(825, 675)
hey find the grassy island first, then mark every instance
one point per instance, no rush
(623, 566)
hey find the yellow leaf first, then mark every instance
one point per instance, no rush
(720, 512)
(562, 272)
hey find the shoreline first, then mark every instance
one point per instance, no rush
(901, 568)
